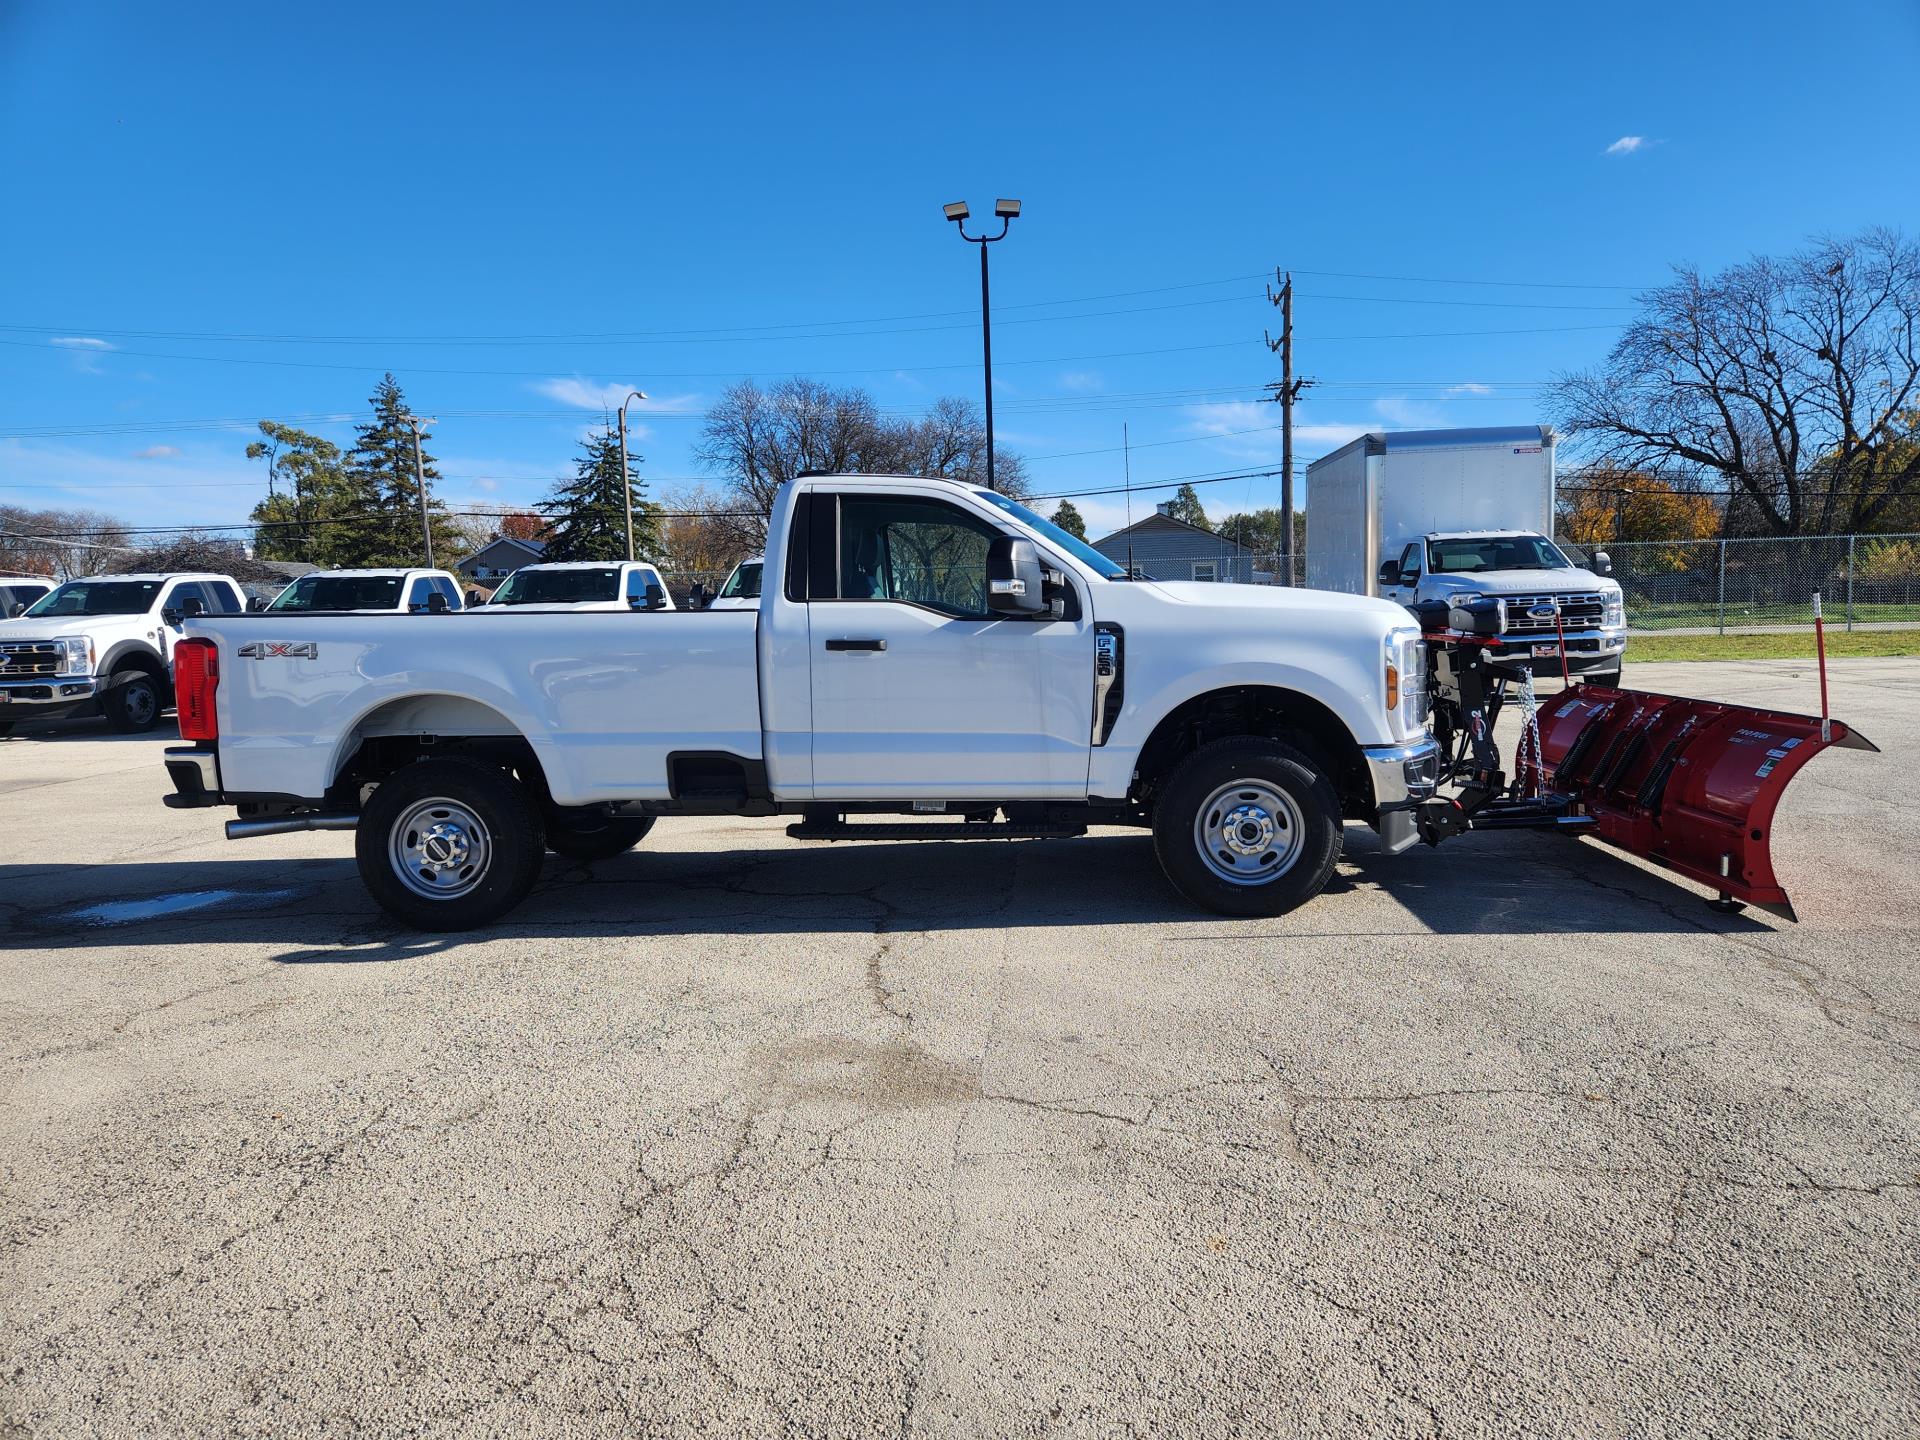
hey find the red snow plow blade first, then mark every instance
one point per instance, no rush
(1688, 784)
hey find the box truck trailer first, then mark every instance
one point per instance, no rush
(1457, 515)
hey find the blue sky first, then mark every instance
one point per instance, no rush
(674, 198)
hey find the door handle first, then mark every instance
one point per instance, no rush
(856, 644)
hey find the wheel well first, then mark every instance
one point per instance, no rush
(136, 657)
(426, 727)
(1265, 710)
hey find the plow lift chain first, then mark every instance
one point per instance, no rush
(1691, 785)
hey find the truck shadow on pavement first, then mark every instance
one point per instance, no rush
(1504, 884)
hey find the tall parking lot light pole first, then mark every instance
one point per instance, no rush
(413, 423)
(1006, 211)
(626, 490)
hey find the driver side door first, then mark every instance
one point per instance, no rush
(920, 691)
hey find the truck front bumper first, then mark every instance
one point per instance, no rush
(1403, 776)
(1588, 651)
(47, 699)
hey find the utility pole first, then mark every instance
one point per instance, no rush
(1286, 392)
(626, 489)
(413, 423)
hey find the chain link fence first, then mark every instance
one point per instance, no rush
(1760, 584)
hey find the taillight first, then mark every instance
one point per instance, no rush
(196, 675)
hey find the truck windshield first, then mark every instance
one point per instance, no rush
(98, 597)
(744, 583)
(558, 587)
(1493, 552)
(341, 592)
(1065, 539)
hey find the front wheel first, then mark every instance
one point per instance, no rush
(132, 702)
(449, 844)
(1608, 678)
(598, 839)
(1247, 826)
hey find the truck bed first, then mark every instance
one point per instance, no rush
(624, 689)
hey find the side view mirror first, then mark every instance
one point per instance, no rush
(171, 615)
(17, 608)
(701, 597)
(1015, 584)
(654, 599)
(1389, 572)
(1602, 563)
(436, 603)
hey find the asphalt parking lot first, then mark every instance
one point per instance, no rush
(738, 1136)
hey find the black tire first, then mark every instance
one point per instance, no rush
(132, 702)
(1287, 839)
(1608, 678)
(6, 727)
(431, 808)
(600, 838)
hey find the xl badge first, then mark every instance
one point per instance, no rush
(279, 650)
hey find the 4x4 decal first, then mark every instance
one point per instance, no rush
(279, 650)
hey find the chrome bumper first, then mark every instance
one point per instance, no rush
(1403, 776)
(67, 690)
(1586, 649)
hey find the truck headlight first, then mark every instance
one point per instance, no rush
(1405, 665)
(1613, 613)
(76, 656)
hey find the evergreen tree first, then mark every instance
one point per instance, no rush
(381, 485)
(586, 516)
(307, 488)
(1186, 506)
(1069, 519)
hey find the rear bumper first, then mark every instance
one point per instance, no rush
(47, 698)
(1403, 776)
(195, 773)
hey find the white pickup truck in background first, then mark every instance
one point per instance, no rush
(585, 585)
(103, 643)
(398, 591)
(922, 648)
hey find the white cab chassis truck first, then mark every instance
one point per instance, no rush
(104, 644)
(921, 648)
(1454, 515)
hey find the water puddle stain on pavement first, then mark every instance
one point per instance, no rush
(153, 907)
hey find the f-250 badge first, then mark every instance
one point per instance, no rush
(278, 650)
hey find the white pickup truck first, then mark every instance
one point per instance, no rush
(922, 648)
(399, 591)
(585, 585)
(103, 643)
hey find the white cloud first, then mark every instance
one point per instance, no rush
(1082, 381)
(481, 482)
(81, 342)
(157, 452)
(1469, 388)
(1628, 145)
(585, 394)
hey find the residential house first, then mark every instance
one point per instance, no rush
(497, 559)
(1163, 548)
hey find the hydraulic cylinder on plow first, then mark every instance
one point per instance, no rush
(1691, 785)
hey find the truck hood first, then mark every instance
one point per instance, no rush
(1518, 582)
(103, 628)
(1293, 601)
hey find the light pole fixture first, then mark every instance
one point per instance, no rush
(626, 488)
(1006, 212)
(413, 423)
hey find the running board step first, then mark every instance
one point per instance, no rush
(943, 830)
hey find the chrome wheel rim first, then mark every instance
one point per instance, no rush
(141, 702)
(440, 849)
(1249, 832)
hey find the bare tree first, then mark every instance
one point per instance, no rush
(757, 440)
(704, 533)
(1786, 382)
(59, 543)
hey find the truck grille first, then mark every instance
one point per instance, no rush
(29, 657)
(1577, 612)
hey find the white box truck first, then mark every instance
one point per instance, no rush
(1455, 515)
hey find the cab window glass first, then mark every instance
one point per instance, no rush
(417, 593)
(923, 552)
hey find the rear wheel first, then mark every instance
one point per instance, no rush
(599, 838)
(449, 844)
(1247, 826)
(132, 702)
